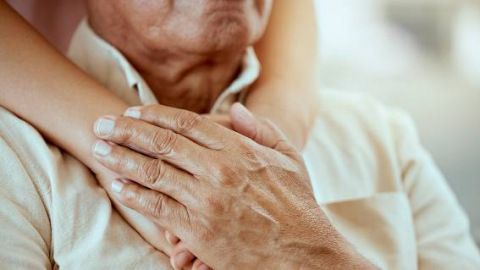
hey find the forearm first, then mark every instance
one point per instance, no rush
(288, 53)
(44, 88)
(289, 106)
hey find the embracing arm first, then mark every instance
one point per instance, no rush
(64, 107)
(40, 85)
(288, 53)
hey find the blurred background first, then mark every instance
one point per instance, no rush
(420, 55)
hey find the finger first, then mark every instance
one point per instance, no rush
(189, 124)
(181, 256)
(261, 131)
(157, 206)
(223, 120)
(171, 238)
(199, 265)
(152, 141)
(182, 260)
(152, 173)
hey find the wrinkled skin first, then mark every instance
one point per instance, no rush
(234, 203)
(152, 232)
(187, 51)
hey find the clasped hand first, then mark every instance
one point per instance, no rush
(235, 202)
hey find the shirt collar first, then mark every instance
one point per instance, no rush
(106, 64)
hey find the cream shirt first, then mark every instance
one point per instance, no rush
(369, 172)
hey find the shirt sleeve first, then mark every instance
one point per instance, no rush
(25, 227)
(54, 214)
(442, 228)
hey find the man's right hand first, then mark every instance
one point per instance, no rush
(223, 193)
(243, 122)
(158, 237)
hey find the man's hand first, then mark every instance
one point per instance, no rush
(232, 202)
(242, 121)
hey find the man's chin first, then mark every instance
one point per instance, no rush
(227, 35)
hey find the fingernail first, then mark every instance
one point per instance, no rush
(102, 148)
(181, 259)
(117, 185)
(104, 126)
(133, 112)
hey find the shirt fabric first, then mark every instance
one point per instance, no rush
(376, 183)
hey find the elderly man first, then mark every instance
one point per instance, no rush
(378, 189)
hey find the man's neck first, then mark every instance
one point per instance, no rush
(187, 81)
(181, 79)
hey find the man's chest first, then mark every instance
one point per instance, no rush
(359, 187)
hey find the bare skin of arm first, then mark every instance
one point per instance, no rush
(288, 53)
(44, 88)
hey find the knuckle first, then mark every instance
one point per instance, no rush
(122, 130)
(154, 205)
(151, 112)
(152, 172)
(150, 109)
(127, 131)
(163, 142)
(118, 161)
(250, 154)
(187, 121)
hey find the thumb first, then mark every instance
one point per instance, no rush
(263, 132)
